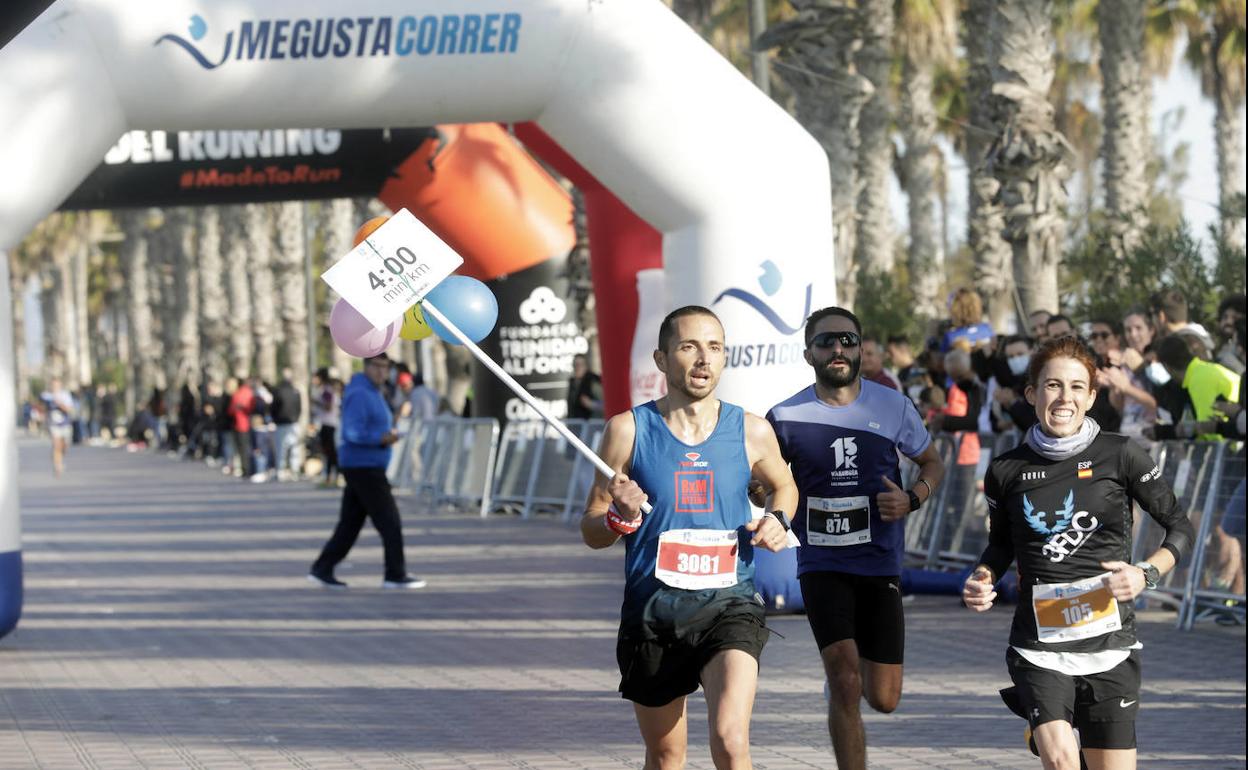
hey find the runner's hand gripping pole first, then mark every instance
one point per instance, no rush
(518, 389)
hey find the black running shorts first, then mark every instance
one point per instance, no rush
(1102, 706)
(864, 608)
(662, 659)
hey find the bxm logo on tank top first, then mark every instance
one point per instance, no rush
(695, 489)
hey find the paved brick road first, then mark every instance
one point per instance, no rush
(168, 625)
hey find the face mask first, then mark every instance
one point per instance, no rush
(1157, 374)
(1018, 364)
(914, 392)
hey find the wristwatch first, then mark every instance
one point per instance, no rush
(914, 501)
(780, 517)
(1151, 574)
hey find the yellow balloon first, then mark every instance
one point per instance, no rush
(414, 325)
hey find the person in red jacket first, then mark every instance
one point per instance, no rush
(242, 406)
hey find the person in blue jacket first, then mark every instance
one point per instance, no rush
(366, 433)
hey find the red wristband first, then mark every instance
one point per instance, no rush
(620, 525)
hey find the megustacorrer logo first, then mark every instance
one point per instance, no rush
(197, 29)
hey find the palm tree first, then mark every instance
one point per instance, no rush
(64, 245)
(236, 253)
(258, 226)
(1030, 158)
(926, 35)
(1072, 94)
(144, 352)
(816, 61)
(214, 327)
(1216, 49)
(33, 258)
(1125, 99)
(985, 222)
(288, 273)
(875, 150)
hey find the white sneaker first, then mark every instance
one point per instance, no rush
(259, 478)
(407, 581)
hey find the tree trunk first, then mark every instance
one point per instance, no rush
(80, 255)
(1228, 128)
(875, 151)
(185, 312)
(258, 220)
(214, 326)
(236, 254)
(134, 259)
(816, 61)
(985, 220)
(49, 298)
(164, 305)
(1125, 145)
(340, 218)
(1030, 158)
(17, 293)
(292, 286)
(60, 322)
(920, 168)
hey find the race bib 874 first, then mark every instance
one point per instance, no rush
(838, 521)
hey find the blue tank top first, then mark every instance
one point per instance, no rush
(698, 486)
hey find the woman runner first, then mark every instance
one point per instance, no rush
(1060, 505)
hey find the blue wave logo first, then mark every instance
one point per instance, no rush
(197, 29)
(769, 281)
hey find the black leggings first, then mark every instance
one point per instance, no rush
(330, 449)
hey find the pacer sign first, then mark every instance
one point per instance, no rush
(392, 269)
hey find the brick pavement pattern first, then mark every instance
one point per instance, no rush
(168, 624)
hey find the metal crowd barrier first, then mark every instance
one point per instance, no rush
(1215, 582)
(950, 530)
(539, 471)
(447, 461)
(1190, 468)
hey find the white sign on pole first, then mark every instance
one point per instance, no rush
(392, 269)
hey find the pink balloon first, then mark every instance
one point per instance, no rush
(354, 334)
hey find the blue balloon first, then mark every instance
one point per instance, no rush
(467, 303)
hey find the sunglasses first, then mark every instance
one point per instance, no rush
(827, 339)
(1100, 335)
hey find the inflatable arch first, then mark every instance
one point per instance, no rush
(738, 190)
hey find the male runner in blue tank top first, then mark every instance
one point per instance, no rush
(841, 437)
(690, 613)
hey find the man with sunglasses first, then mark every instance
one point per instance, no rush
(841, 436)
